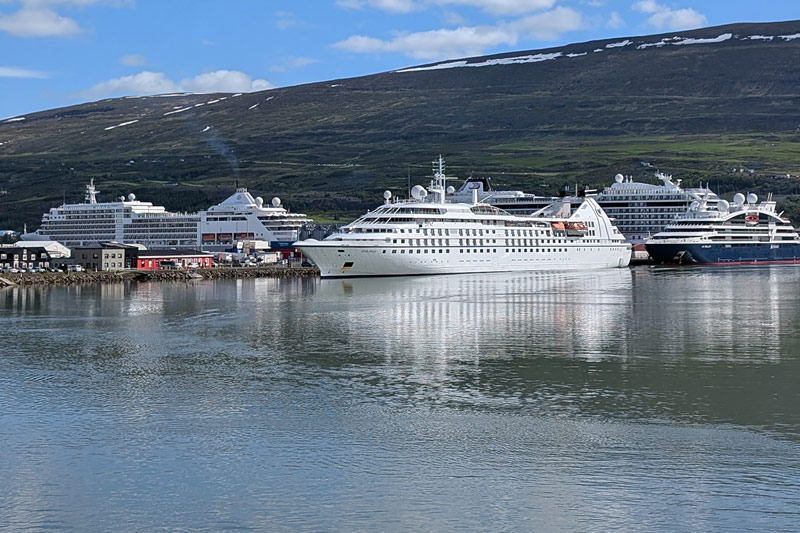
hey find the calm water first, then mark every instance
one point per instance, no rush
(643, 399)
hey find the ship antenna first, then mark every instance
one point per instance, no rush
(91, 193)
(439, 178)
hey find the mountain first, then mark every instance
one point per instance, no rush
(696, 104)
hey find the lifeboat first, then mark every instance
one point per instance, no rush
(576, 229)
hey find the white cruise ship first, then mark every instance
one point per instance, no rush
(429, 234)
(126, 221)
(638, 209)
(242, 217)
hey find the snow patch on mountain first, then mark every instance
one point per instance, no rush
(123, 124)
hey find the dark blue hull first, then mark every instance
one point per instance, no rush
(705, 254)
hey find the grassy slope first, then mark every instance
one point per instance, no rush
(331, 148)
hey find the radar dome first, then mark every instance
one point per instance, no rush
(131, 197)
(738, 198)
(619, 178)
(276, 202)
(387, 195)
(723, 205)
(752, 198)
(121, 198)
(259, 201)
(451, 189)
(418, 192)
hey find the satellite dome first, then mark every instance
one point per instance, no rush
(387, 195)
(121, 198)
(259, 201)
(619, 178)
(738, 198)
(418, 192)
(276, 202)
(752, 198)
(451, 189)
(131, 197)
(723, 205)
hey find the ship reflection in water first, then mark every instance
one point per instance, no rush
(641, 399)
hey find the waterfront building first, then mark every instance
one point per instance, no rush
(29, 255)
(102, 257)
(171, 258)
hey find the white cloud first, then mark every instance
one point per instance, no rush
(550, 24)
(664, 17)
(136, 84)
(285, 20)
(149, 83)
(293, 62)
(224, 81)
(503, 7)
(499, 7)
(454, 19)
(434, 44)
(615, 21)
(392, 6)
(37, 22)
(133, 60)
(467, 40)
(14, 72)
(39, 18)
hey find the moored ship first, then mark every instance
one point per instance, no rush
(429, 234)
(741, 232)
(243, 217)
(638, 209)
(131, 221)
(126, 221)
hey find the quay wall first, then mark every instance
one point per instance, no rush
(74, 278)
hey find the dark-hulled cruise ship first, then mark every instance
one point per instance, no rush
(742, 232)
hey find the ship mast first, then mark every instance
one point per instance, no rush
(91, 193)
(439, 183)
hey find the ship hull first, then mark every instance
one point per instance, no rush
(345, 261)
(726, 254)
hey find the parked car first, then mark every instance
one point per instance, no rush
(75, 268)
(10, 270)
(168, 264)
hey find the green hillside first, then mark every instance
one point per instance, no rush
(694, 104)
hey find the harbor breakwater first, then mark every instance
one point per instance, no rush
(74, 278)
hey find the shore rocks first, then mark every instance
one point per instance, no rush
(72, 278)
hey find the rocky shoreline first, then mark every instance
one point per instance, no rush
(74, 278)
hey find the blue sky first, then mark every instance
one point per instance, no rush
(61, 52)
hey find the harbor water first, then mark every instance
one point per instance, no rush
(635, 399)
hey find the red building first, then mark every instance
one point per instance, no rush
(157, 259)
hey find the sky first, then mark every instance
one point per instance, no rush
(55, 53)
